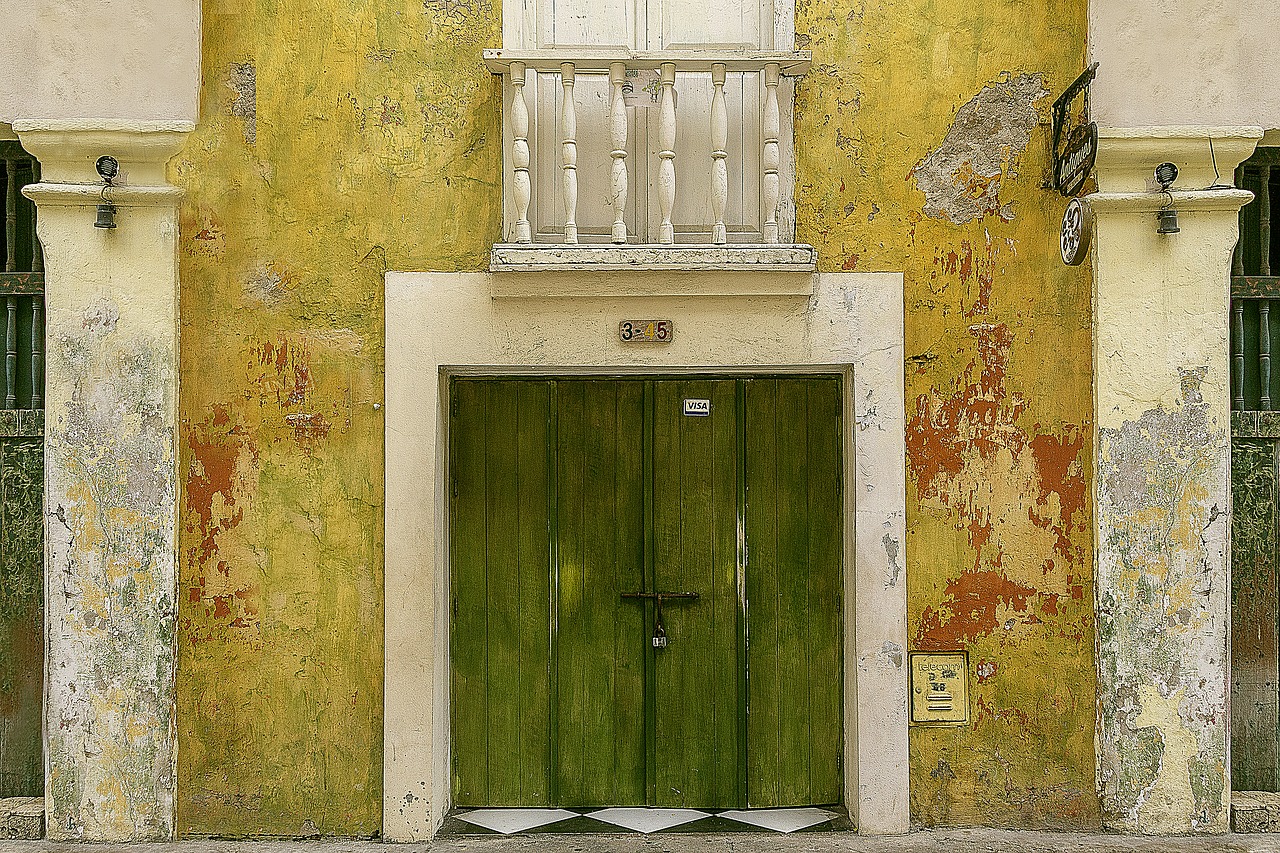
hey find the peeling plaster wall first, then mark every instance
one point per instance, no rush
(367, 139)
(922, 136)
(370, 140)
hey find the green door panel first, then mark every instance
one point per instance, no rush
(793, 533)
(568, 493)
(695, 529)
(501, 636)
(601, 650)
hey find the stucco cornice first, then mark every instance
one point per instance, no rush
(88, 195)
(1150, 202)
(68, 149)
(1127, 156)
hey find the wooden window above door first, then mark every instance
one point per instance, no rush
(648, 123)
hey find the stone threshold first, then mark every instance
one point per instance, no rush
(22, 818)
(939, 841)
(1255, 811)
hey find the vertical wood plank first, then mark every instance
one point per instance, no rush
(673, 725)
(532, 695)
(765, 677)
(630, 628)
(695, 530)
(502, 578)
(823, 512)
(793, 545)
(794, 583)
(573, 641)
(470, 706)
(602, 637)
(502, 552)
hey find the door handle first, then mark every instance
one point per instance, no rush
(659, 630)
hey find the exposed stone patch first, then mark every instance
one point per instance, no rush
(1162, 720)
(961, 178)
(243, 80)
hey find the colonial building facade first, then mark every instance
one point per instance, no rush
(577, 404)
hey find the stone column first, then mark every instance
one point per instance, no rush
(1162, 498)
(110, 478)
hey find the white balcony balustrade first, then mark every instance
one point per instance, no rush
(634, 158)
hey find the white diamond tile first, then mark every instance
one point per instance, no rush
(780, 820)
(648, 820)
(508, 821)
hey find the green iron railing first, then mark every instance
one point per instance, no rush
(1255, 288)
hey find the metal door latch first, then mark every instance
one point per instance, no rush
(659, 630)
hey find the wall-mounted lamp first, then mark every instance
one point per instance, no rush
(108, 168)
(1167, 216)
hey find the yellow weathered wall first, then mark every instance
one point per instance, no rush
(998, 369)
(338, 138)
(373, 142)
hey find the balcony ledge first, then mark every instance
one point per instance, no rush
(685, 270)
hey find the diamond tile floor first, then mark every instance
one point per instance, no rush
(643, 820)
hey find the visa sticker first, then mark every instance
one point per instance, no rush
(697, 408)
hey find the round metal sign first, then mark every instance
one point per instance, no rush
(1077, 232)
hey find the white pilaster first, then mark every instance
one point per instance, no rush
(1162, 499)
(111, 478)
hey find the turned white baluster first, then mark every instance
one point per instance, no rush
(719, 142)
(771, 158)
(569, 153)
(520, 154)
(618, 136)
(667, 152)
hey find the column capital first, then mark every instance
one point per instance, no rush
(1128, 156)
(68, 149)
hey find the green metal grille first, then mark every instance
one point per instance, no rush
(1255, 288)
(21, 480)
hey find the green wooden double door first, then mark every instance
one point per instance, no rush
(570, 494)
